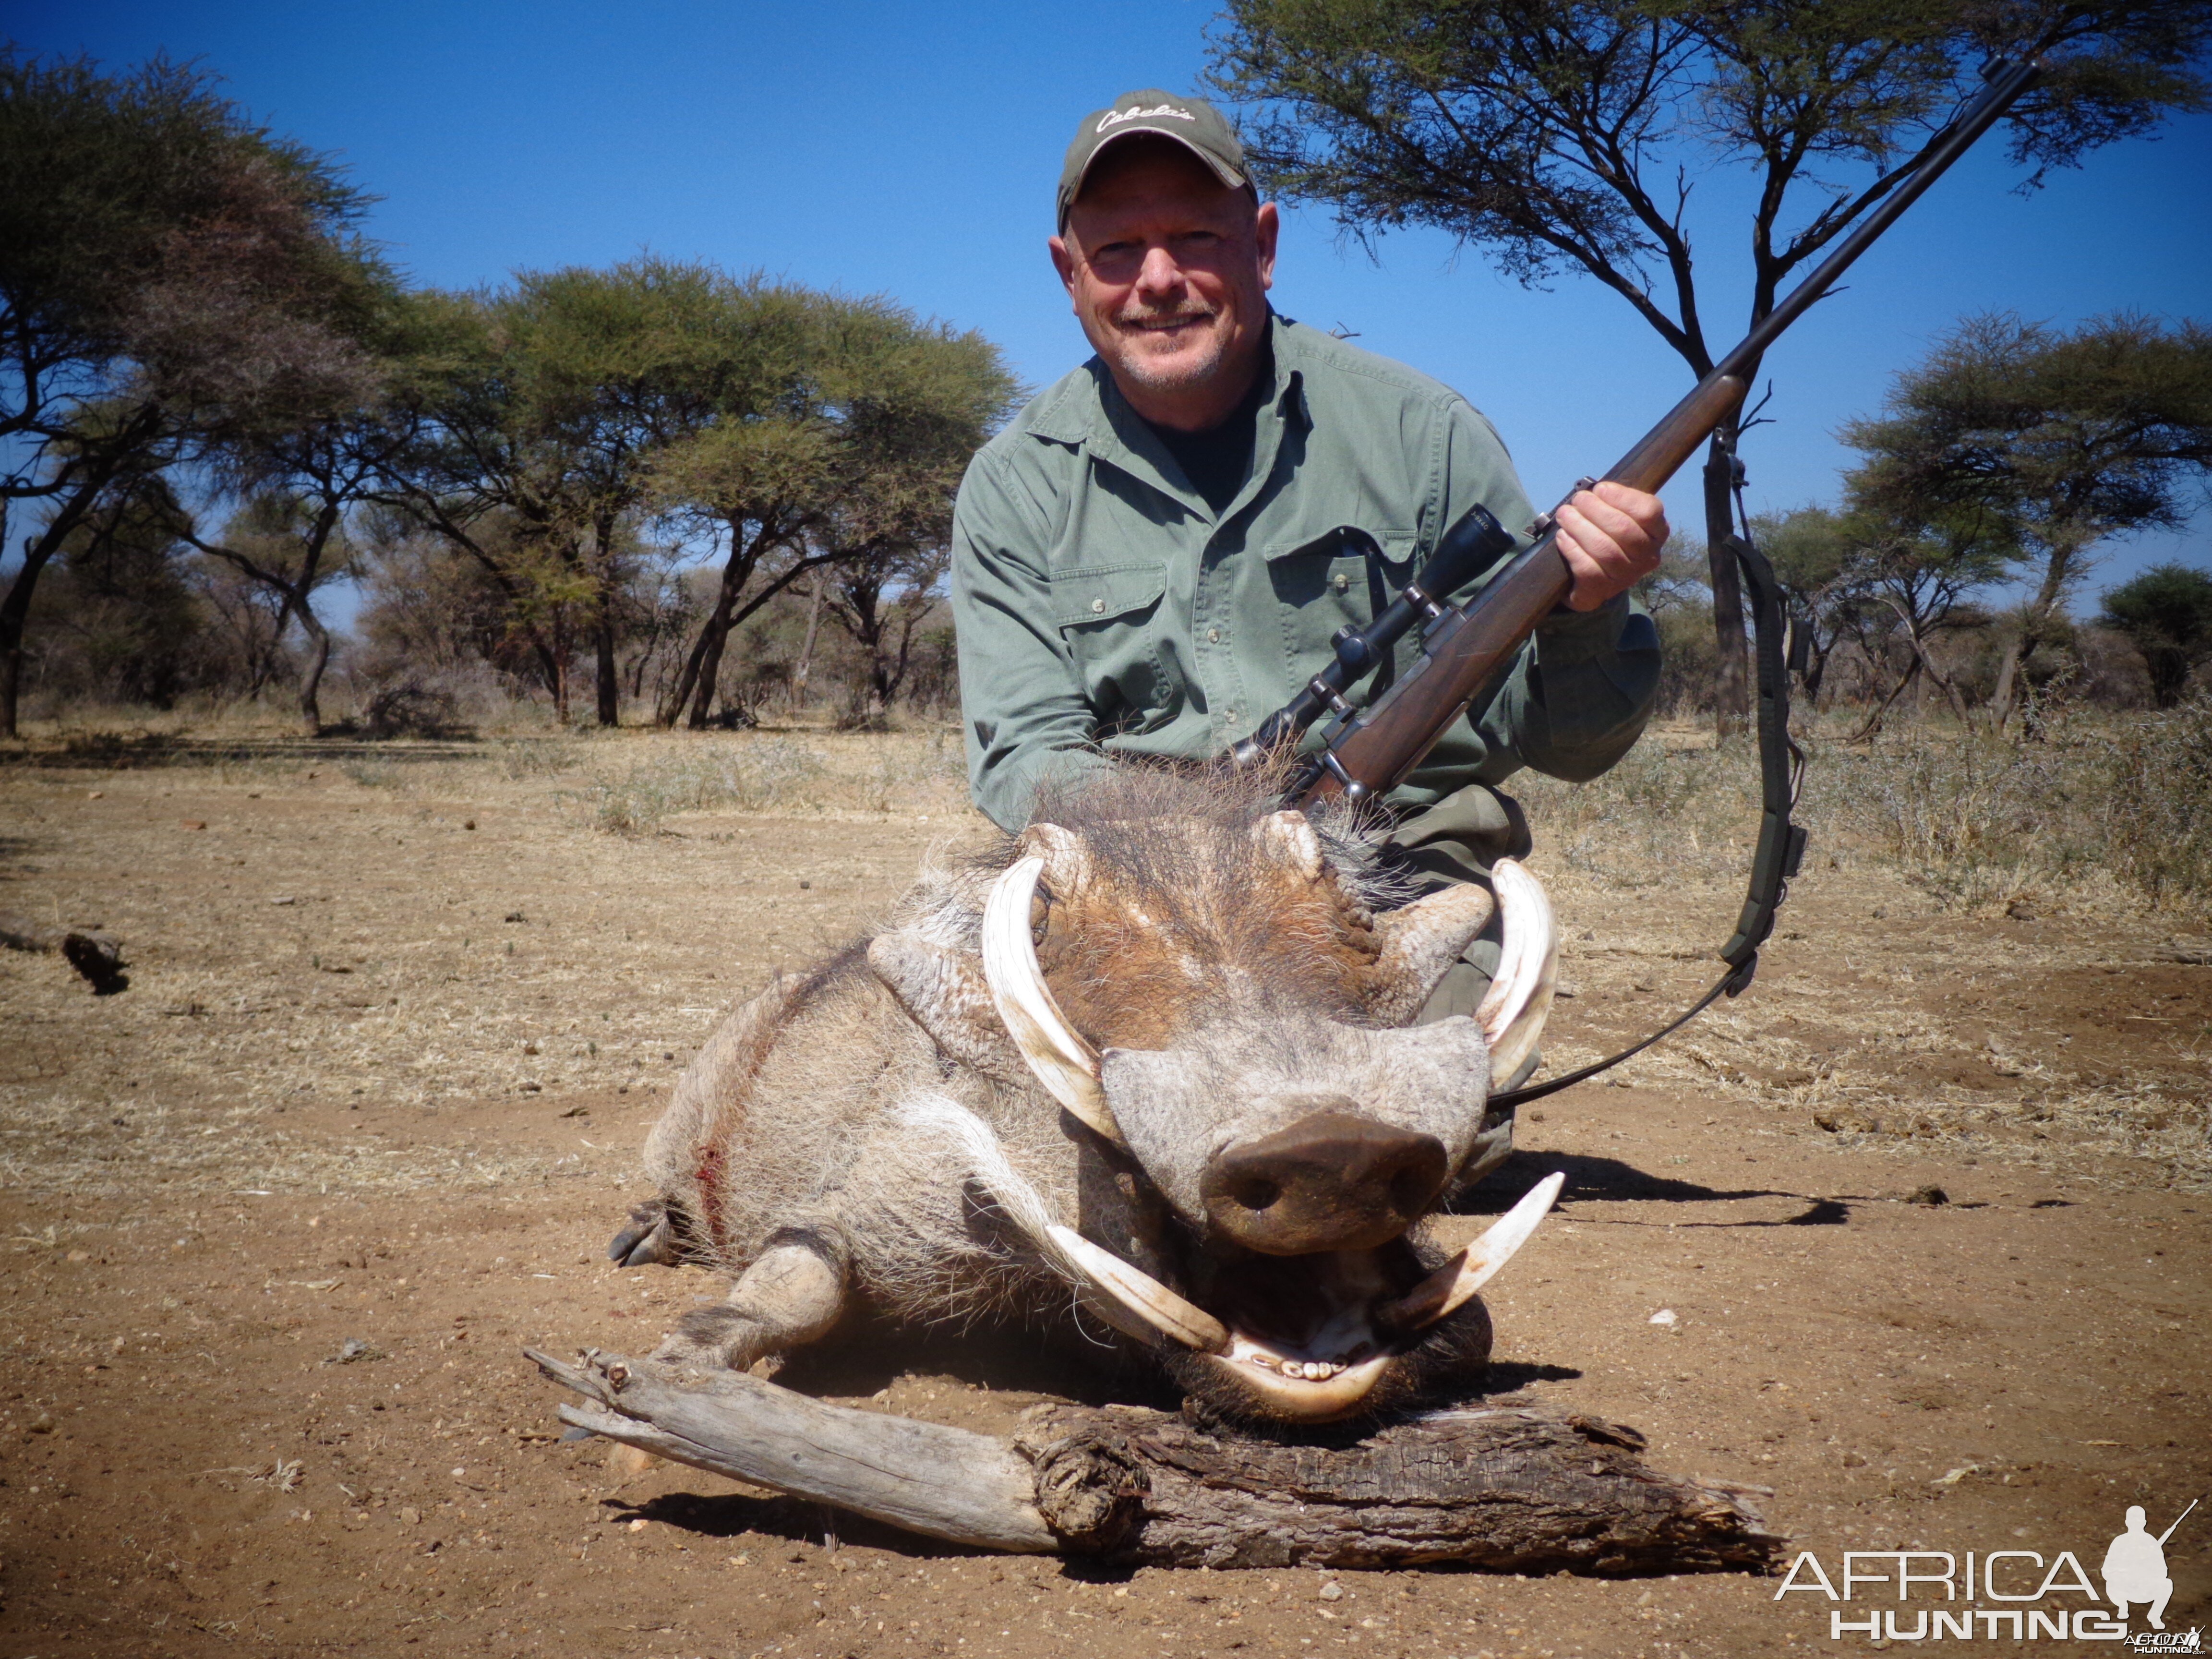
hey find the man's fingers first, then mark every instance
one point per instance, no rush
(1610, 537)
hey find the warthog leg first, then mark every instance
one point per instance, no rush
(791, 1296)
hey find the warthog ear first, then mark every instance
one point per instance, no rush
(1052, 843)
(1420, 941)
(945, 992)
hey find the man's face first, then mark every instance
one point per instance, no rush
(1168, 269)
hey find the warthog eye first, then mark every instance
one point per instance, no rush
(1040, 912)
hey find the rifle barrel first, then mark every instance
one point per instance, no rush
(1372, 754)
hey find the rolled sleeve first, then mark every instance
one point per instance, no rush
(1024, 716)
(1580, 694)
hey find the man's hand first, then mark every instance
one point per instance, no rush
(1610, 537)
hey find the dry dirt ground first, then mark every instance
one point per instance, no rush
(278, 1219)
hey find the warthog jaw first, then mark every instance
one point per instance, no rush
(1329, 1375)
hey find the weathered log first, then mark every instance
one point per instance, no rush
(94, 954)
(1505, 1488)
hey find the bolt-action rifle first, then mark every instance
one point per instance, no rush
(1370, 752)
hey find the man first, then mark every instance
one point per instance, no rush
(1149, 560)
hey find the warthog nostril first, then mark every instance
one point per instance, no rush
(1335, 1180)
(1255, 1193)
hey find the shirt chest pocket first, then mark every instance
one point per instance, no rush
(1110, 615)
(1332, 582)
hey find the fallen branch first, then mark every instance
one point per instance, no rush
(92, 953)
(1506, 1488)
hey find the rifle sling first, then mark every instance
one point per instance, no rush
(1781, 842)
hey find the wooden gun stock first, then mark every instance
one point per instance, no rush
(1372, 751)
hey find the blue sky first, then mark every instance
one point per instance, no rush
(912, 151)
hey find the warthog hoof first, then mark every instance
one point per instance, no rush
(653, 1237)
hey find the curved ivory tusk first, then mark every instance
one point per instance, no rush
(1512, 1015)
(1141, 1294)
(1450, 1285)
(1064, 1063)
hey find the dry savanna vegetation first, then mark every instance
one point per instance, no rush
(281, 1215)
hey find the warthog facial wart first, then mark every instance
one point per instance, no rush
(1147, 1065)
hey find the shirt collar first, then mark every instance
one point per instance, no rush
(1091, 414)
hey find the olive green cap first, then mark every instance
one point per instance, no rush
(1191, 122)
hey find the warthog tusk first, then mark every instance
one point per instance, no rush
(1449, 1286)
(1512, 1015)
(1064, 1063)
(1142, 1295)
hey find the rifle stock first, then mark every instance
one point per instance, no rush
(1372, 751)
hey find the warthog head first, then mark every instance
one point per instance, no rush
(1221, 996)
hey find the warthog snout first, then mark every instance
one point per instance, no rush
(1335, 1180)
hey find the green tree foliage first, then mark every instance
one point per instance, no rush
(847, 454)
(783, 428)
(117, 612)
(1812, 551)
(171, 275)
(531, 416)
(1889, 584)
(1565, 138)
(2168, 612)
(2065, 438)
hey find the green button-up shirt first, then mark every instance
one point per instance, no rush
(1103, 607)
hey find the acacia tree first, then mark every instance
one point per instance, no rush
(2168, 612)
(1812, 550)
(1564, 136)
(2068, 438)
(169, 274)
(537, 414)
(291, 545)
(847, 456)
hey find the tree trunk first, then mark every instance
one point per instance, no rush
(805, 667)
(2058, 572)
(1732, 690)
(1506, 1488)
(602, 626)
(311, 679)
(14, 610)
(702, 666)
(710, 664)
(609, 680)
(16, 607)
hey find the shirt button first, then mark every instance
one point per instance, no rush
(1098, 607)
(1343, 583)
(1213, 636)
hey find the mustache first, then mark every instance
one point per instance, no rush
(1139, 317)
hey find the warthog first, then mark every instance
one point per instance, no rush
(1146, 1060)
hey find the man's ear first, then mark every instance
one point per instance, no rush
(1266, 226)
(1063, 261)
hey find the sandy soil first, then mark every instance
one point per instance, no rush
(279, 1218)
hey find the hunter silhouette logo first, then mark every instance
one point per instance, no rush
(2029, 1594)
(2135, 1566)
